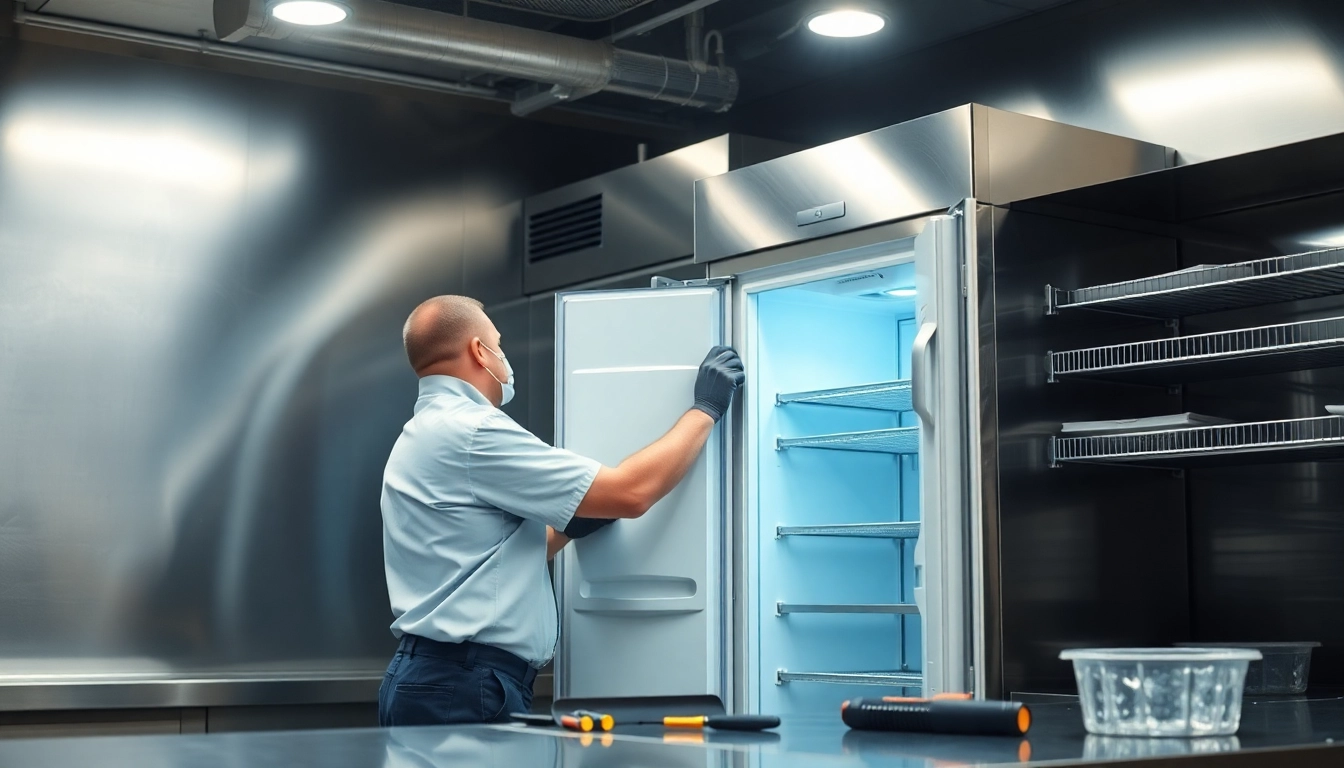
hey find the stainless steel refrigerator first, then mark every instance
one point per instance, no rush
(832, 537)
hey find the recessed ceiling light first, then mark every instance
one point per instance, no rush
(846, 23)
(310, 13)
(902, 293)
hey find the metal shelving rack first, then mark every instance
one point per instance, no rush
(1191, 292)
(893, 396)
(900, 440)
(1314, 439)
(1242, 352)
(888, 679)
(882, 396)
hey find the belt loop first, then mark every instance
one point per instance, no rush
(471, 654)
(410, 645)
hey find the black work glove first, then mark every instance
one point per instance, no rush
(582, 526)
(719, 377)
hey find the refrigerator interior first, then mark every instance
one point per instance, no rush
(838, 601)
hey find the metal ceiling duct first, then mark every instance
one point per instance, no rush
(403, 31)
(578, 10)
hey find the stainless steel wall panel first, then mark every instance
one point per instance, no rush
(203, 279)
(492, 253)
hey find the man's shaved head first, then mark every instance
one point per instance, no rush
(440, 329)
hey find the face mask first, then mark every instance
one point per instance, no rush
(506, 386)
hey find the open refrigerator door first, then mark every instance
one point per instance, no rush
(642, 602)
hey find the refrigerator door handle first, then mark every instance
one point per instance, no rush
(921, 372)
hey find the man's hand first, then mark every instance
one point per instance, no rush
(720, 375)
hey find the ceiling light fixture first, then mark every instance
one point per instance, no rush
(310, 13)
(846, 22)
(902, 293)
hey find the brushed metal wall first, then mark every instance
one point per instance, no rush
(1210, 78)
(202, 284)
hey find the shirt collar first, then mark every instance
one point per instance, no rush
(451, 385)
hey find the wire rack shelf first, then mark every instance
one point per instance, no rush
(889, 679)
(907, 530)
(1313, 439)
(1191, 292)
(889, 608)
(882, 396)
(902, 440)
(1223, 354)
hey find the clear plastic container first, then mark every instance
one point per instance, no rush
(1131, 748)
(1283, 671)
(1161, 691)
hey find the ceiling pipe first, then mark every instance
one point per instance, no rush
(387, 29)
(237, 53)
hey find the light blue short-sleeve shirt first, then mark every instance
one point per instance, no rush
(467, 496)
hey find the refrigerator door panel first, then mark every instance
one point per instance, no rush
(641, 605)
(938, 375)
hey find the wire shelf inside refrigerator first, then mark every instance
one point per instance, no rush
(782, 608)
(890, 679)
(902, 440)
(1191, 292)
(1314, 439)
(907, 530)
(883, 396)
(1224, 354)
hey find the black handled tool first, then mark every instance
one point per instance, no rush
(531, 719)
(938, 715)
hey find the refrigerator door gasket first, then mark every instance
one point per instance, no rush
(906, 530)
(1222, 354)
(1313, 439)
(1192, 292)
(902, 440)
(881, 396)
(890, 679)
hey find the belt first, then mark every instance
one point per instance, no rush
(470, 654)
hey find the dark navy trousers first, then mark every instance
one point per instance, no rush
(433, 683)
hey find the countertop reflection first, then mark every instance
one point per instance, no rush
(1057, 738)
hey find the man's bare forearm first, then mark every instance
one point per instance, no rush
(634, 485)
(555, 541)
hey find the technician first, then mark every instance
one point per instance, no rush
(473, 507)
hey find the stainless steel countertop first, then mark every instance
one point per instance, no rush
(1056, 737)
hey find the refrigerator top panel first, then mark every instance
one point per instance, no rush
(915, 168)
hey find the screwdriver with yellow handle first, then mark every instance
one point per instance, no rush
(717, 722)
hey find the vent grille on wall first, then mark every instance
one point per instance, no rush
(571, 227)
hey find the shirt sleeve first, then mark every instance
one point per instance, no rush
(510, 468)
